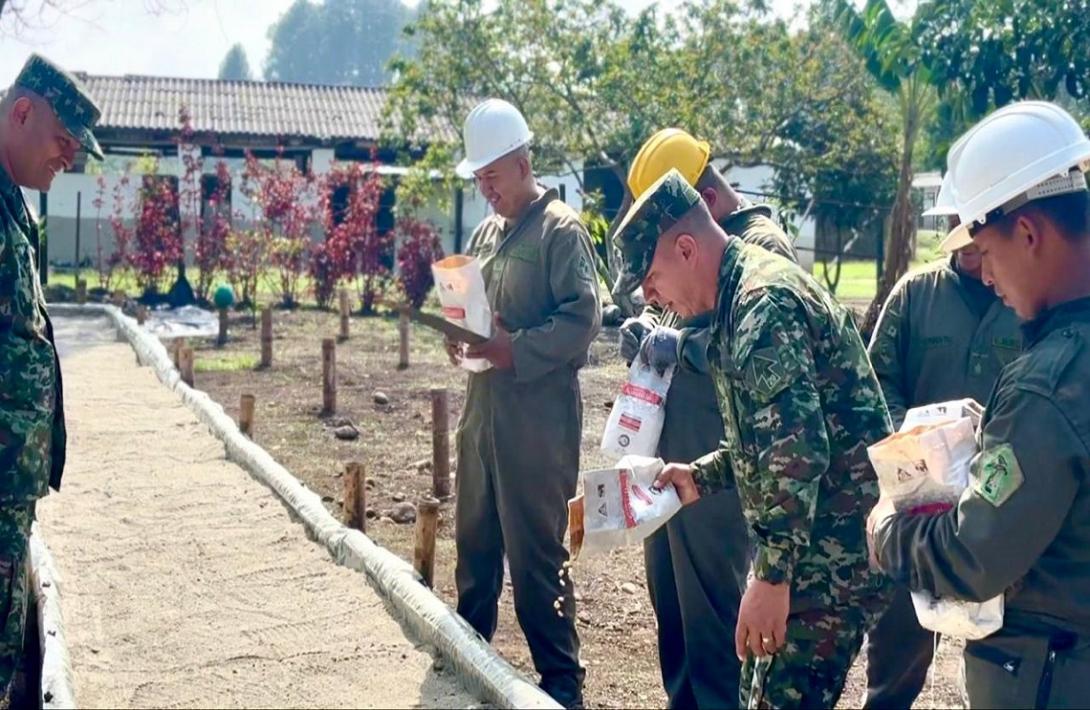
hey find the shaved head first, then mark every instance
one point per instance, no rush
(34, 144)
(684, 274)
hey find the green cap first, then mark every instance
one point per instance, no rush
(658, 209)
(70, 101)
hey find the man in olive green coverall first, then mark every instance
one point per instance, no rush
(1022, 527)
(45, 120)
(696, 564)
(519, 437)
(942, 335)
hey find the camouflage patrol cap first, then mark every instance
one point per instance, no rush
(75, 109)
(658, 209)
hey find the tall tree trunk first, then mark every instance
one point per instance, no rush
(902, 226)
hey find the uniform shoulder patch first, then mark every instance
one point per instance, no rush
(998, 475)
(583, 269)
(764, 373)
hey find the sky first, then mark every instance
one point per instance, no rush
(186, 38)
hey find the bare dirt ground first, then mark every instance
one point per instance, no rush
(617, 627)
(185, 583)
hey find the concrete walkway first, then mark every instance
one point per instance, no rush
(185, 583)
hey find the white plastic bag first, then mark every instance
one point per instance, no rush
(619, 506)
(635, 422)
(925, 465)
(943, 412)
(924, 469)
(460, 285)
(967, 620)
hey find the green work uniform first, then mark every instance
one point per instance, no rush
(1022, 528)
(696, 564)
(941, 336)
(800, 405)
(519, 436)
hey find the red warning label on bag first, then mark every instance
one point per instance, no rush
(454, 312)
(629, 422)
(642, 393)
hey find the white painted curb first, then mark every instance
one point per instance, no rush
(478, 665)
(56, 687)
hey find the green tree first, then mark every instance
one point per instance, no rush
(235, 66)
(346, 42)
(892, 55)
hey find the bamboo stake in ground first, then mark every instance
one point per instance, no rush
(329, 376)
(266, 336)
(141, 314)
(246, 415)
(440, 444)
(344, 314)
(176, 347)
(81, 291)
(119, 298)
(355, 497)
(186, 357)
(403, 337)
(221, 340)
(427, 522)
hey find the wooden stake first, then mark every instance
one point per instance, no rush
(440, 444)
(246, 415)
(221, 340)
(403, 334)
(266, 336)
(141, 314)
(119, 298)
(427, 522)
(344, 314)
(329, 376)
(355, 497)
(187, 365)
(81, 290)
(176, 347)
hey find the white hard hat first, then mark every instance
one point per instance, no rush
(1022, 152)
(492, 130)
(944, 201)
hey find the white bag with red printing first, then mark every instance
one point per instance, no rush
(464, 299)
(619, 506)
(923, 470)
(635, 422)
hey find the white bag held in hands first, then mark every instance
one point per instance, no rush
(943, 412)
(619, 506)
(967, 620)
(924, 469)
(635, 422)
(925, 465)
(462, 294)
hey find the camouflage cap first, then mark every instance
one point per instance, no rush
(74, 107)
(658, 209)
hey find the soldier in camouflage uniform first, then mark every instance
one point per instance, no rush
(696, 563)
(45, 119)
(800, 404)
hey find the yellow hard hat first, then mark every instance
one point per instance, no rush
(669, 148)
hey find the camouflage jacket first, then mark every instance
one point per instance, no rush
(932, 343)
(32, 433)
(800, 404)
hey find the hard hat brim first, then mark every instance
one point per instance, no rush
(958, 238)
(467, 167)
(940, 211)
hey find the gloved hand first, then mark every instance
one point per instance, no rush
(630, 336)
(659, 348)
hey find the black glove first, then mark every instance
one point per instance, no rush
(659, 349)
(630, 336)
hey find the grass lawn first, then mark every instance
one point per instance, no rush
(859, 280)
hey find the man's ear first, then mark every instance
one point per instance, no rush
(686, 247)
(710, 197)
(21, 110)
(1028, 230)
